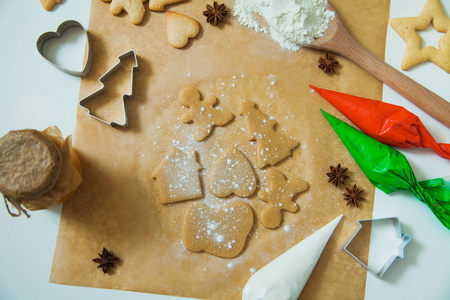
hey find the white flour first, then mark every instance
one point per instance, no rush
(293, 23)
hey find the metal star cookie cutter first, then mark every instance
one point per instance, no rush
(102, 89)
(404, 237)
(45, 37)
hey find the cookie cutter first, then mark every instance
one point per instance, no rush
(406, 238)
(45, 37)
(103, 88)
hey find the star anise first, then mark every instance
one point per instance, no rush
(215, 13)
(105, 261)
(337, 176)
(327, 64)
(352, 195)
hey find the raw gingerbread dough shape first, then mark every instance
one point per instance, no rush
(232, 174)
(177, 177)
(180, 29)
(279, 196)
(219, 231)
(432, 13)
(158, 5)
(48, 4)
(203, 113)
(272, 147)
(135, 8)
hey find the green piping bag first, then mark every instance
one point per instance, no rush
(390, 171)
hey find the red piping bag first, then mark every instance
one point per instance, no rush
(390, 124)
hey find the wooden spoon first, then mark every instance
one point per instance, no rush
(337, 39)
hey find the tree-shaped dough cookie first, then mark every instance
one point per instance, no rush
(279, 196)
(202, 113)
(272, 147)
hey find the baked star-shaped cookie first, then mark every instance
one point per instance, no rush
(407, 28)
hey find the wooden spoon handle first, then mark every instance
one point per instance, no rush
(422, 97)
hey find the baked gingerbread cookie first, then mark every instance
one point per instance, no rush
(177, 177)
(180, 29)
(272, 146)
(159, 5)
(203, 113)
(134, 8)
(232, 174)
(219, 231)
(48, 4)
(433, 13)
(279, 196)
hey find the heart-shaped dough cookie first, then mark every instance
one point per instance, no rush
(232, 174)
(219, 231)
(180, 29)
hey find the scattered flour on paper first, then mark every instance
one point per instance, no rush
(293, 23)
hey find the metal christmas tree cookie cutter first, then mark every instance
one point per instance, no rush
(103, 88)
(45, 37)
(404, 237)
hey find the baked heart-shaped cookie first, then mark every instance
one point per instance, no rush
(232, 174)
(220, 231)
(180, 29)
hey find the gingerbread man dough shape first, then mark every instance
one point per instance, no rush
(232, 174)
(279, 197)
(272, 147)
(202, 113)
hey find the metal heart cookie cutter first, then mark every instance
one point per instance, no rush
(103, 88)
(402, 239)
(45, 37)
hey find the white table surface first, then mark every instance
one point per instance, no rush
(36, 95)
